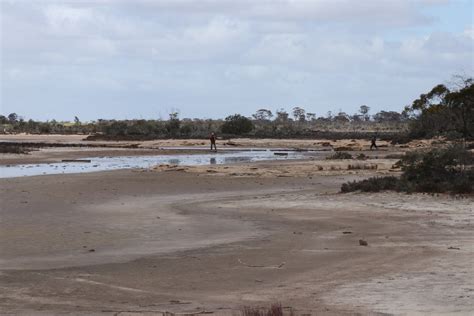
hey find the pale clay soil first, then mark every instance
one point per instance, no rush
(216, 238)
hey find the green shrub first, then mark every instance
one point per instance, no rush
(237, 125)
(439, 170)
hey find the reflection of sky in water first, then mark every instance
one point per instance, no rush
(115, 163)
(237, 159)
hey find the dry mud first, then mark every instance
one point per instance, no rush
(193, 241)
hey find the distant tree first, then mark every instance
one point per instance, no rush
(3, 119)
(282, 115)
(311, 116)
(173, 125)
(237, 125)
(357, 118)
(116, 128)
(263, 115)
(12, 118)
(387, 116)
(364, 110)
(342, 117)
(299, 114)
(77, 121)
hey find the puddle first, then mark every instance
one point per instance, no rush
(134, 162)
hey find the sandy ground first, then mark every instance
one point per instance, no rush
(237, 142)
(194, 241)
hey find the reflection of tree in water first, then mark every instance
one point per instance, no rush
(213, 161)
(237, 159)
(174, 161)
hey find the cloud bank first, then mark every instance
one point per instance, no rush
(210, 58)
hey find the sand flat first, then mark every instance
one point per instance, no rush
(216, 243)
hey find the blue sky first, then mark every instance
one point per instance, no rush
(209, 58)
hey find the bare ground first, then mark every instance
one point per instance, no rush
(196, 241)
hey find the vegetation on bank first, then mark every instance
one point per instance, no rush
(449, 169)
(263, 124)
(6, 148)
(441, 112)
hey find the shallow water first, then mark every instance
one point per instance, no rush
(134, 162)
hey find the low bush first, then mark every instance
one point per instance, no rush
(374, 184)
(13, 149)
(362, 166)
(274, 310)
(394, 156)
(436, 171)
(339, 155)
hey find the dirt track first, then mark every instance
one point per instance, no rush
(190, 242)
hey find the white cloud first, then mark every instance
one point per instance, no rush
(227, 51)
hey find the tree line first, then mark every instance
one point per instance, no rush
(263, 123)
(441, 111)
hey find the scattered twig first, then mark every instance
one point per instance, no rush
(260, 266)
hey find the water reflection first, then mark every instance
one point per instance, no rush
(237, 159)
(174, 161)
(129, 162)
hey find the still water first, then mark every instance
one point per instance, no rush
(134, 162)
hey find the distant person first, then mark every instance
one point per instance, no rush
(212, 138)
(373, 144)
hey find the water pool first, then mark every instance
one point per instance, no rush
(135, 162)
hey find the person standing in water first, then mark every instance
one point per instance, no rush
(212, 138)
(373, 144)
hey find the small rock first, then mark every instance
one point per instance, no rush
(347, 232)
(363, 242)
(91, 250)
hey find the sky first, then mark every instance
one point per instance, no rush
(119, 59)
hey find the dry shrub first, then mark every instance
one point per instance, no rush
(362, 167)
(274, 310)
(13, 149)
(339, 155)
(342, 148)
(394, 156)
(374, 184)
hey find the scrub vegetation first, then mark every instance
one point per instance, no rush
(449, 169)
